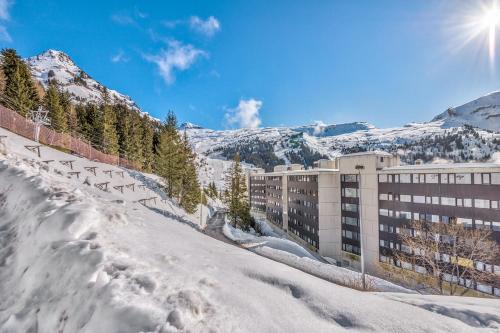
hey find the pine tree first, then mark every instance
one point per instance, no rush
(212, 190)
(69, 111)
(19, 91)
(235, 196)
(190, 186)
(58, 120)
(123, 121)
(168, 162)
(148, 133)
(109, 137)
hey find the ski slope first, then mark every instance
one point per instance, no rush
(74, 258)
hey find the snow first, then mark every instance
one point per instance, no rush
(292, 254)
(210, 143)
(65, 71)
(74, 258)
(483, 112)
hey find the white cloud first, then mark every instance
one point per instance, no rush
(206, 27)
(177, 57)
(122, 18)
(319, 127)
(245, 115)
(4, 34)
(5, 16)
(119, 57)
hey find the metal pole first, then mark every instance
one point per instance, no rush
(361, 234)
(201, 208)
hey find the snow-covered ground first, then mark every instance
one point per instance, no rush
(74, 258)
(292, 254)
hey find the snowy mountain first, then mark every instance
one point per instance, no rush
(483, 112)
(57, 65)
(188, 125)
(319, 129)
(266, 147)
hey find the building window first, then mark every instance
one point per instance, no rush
(405, 178)
(350, 178)
(350, 207)
(448, 201)
(432, 178)
(482, 203)
(405, 198)
(350, 192)
(463, 178)
(419, 199)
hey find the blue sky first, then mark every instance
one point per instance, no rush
(241, 63)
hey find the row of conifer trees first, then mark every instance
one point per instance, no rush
(112, 128)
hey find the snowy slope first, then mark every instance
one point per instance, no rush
(478, 144)
(72, 78)
(483, 112)
(76, 259)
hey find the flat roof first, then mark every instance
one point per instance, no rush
(297, 172)
(372, 152)
(449, 166)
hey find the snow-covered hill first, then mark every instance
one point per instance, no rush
(265, 147)
(57, 65)
(74, 258)
(483, 112)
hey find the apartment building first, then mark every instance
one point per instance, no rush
(358, 202)
(467, 194)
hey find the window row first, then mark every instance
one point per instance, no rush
(447, 277)
(304, 203)
(304, 191)
(445, 201)
(467, 222)
(442, 178)
(304, 237)
(303, 178)
(348, 192)
(350, 178)
(349, 207)
(350, 220)
(350, 234)
(351, 248)
(304, 214)
(274, 203)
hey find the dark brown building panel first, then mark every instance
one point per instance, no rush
(303, 214)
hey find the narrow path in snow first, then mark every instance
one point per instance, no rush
(214, 227)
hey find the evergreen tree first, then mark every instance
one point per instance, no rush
(108, 127)
(146, 143)
(58, 120)
(69, 111)
(168, 162)
(190, 186)
(123, 120)
(19, 91)
(212, 190)
(235, 196)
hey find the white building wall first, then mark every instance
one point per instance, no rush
(330, 241)
(368, 201)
